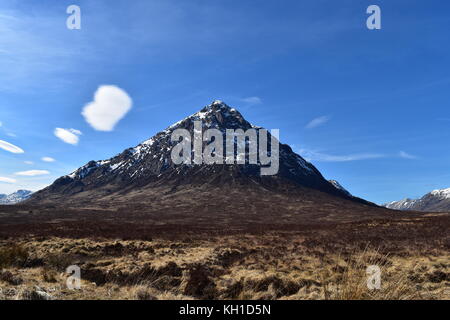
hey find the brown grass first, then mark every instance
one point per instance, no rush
(276, 266)
(306, 262)
(13, 255)
(347, 279)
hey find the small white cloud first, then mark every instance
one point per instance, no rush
(317, 122)
(69, 136)
(28, 162)
(10, 147)
(7, 180)
(32, 173)
(48, 159)
(252, 100)
(1, 123)
(319, 156)
(110, 105)
(405, 155)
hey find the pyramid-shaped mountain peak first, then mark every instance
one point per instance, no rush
(150, 164)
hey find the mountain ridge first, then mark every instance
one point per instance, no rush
(15, 197)
(436, 200)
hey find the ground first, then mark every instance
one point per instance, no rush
(323, 261)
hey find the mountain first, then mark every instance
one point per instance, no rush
(16, 197)
(338, 186)
(146, 174)
(436, 201)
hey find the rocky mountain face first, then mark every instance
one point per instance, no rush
(16, 197)
(148, 167)
(436, 201)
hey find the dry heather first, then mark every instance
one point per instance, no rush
(325, 263)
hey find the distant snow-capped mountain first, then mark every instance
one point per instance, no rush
(437, 200)
(15, 197)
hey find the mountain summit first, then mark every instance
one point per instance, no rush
(149, 167)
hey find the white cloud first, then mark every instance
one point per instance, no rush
(110, 105)
(69, 136)
(1, 123)
(318, 122)
(318, 156)
(252, 100)
(48, 159)
(405, 155)
(32, 173)
(28, 162)
(75, 131)
(7, 180)
(10, 147)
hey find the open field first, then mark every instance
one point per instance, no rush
(137, 258)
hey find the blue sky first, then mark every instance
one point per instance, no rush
(368, 108)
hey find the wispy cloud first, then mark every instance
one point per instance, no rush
(310, 155)
(313, 155)
(110, 105)
(7, 180)
(28, 162)
(252, 100)
(69, 136)
(32, 173)
(317, 122)
(75, 131)
(27, 55)
(405, 155)
(48, 159)
(4, 129)
(10, 147)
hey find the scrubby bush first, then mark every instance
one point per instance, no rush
(14, 255)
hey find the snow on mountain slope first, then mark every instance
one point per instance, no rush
(405, 204)
(441, 194)
(338, 186)
(15, 197)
